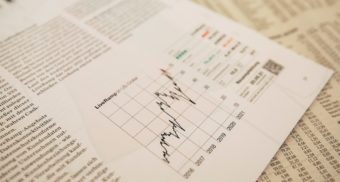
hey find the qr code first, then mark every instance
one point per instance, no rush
(273, 67)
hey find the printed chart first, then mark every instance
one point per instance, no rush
(174, 118)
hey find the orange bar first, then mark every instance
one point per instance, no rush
(228, 42)
(205, 34)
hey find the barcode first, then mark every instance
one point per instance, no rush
(273, 67)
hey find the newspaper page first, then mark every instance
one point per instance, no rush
(312, 29)
(143, 90)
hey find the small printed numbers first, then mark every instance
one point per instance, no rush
(223, 97)
(240, 115)
(188, 173)
(211, 148)
(199, 161)
(231, 126)
(221, 137)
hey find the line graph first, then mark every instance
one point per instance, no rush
(175, 125)
(174, 118)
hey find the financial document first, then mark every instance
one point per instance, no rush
(311, 28)
(143, 90)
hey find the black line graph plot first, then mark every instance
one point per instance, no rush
(173, 117)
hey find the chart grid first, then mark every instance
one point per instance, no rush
(137, 113)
